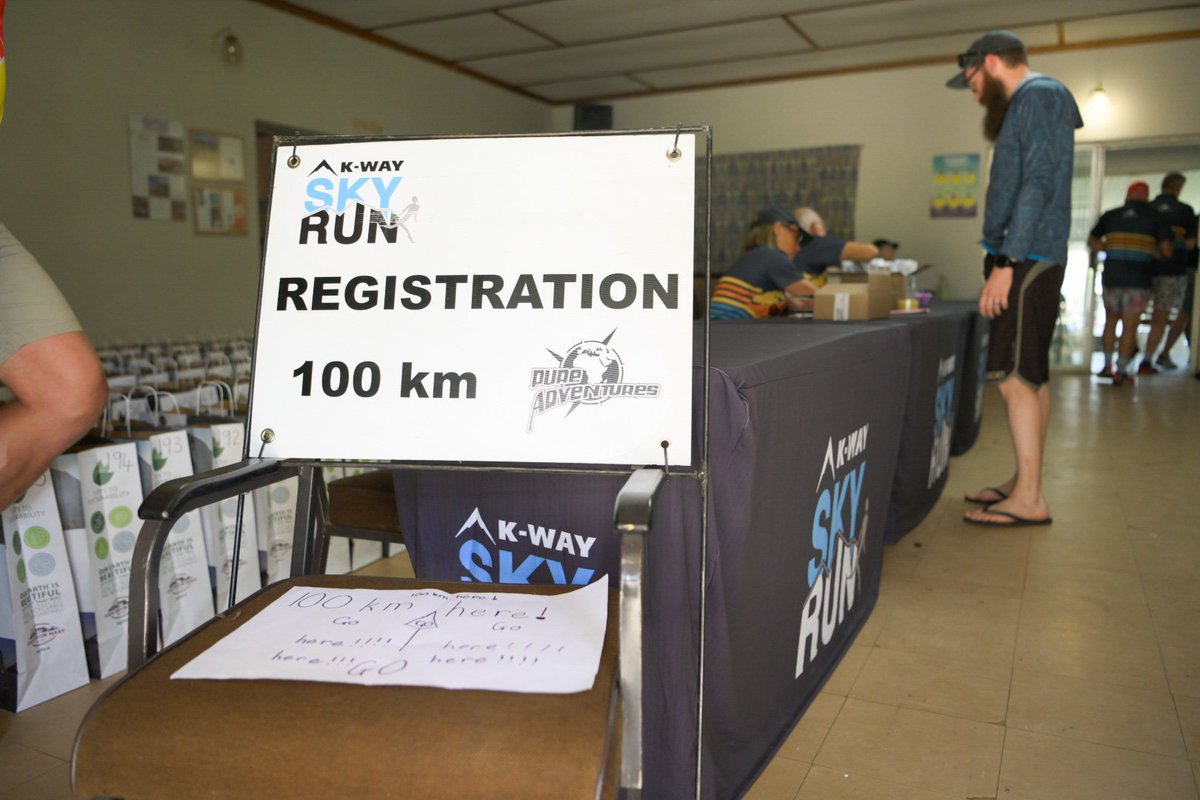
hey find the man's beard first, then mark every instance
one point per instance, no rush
(995, 102)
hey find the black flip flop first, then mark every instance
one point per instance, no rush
(1014, 520)
(1003, 496)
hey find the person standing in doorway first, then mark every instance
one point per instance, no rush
(1131, 238)
(1031, 119)
(1170, 274)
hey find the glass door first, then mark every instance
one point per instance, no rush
(1071, 349)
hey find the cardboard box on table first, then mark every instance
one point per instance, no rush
(42, 616)
(865, 297)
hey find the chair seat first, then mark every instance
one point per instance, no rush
(149, 736)
(366, 501)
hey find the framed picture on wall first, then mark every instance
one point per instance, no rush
(220, 209)
(217, 156)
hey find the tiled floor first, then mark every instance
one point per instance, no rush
(1059, 662)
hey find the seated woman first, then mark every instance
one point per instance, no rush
(764, 281)
(819, 250)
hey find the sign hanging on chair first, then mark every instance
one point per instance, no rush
(496, 299)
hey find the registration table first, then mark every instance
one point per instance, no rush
(762, 568)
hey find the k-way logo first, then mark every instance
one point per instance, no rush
(543, 552)
(839, 532)
(360, 201)
(590, 373)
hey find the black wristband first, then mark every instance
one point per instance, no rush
(1004, 261)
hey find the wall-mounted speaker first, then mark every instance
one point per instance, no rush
(591, 117)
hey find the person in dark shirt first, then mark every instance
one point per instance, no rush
(764, 281)
(1131, 238)
(819, 250)
(1170, 274)
(1027, 221)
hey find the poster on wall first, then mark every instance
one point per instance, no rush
(217, 156)
(220, 209)
(486, 299)
(158, 169)
(955, 186)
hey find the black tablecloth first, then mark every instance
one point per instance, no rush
(970, 404)
(931, 409)
(804, 432)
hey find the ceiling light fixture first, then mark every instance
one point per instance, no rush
(1098, 99)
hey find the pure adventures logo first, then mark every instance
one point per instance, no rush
(590, 372)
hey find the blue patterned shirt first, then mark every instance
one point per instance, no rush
(1028, 214)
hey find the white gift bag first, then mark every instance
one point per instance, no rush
(111, 488)
(64, 472)
(276, 509)
(213, 445)
(45, 616)
(184, 587)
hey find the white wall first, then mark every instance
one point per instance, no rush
(902, 118)
(78, 68)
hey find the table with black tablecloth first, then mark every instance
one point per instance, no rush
(807, 422)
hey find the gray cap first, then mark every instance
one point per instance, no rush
(990, 43)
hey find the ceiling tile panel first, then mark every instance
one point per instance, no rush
(371, 14)
(616, 57)
(577, 21)
(905, 18)
(582, 90)
(1137, 24)
(474, 36)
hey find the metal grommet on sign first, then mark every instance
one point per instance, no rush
(267, 436)
(674, 154)
(666, 446)
(293, 160)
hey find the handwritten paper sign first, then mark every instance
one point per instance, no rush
(418, 637)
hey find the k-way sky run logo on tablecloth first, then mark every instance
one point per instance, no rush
(360, 200)
(839, 533)
(591, 372)
(544, 552)
(943, 420)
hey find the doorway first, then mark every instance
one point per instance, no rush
(1103, 172)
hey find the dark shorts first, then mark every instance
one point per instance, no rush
(1020, 337)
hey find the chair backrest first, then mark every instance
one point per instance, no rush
(492, 300)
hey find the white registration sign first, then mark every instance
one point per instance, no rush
(511, 299)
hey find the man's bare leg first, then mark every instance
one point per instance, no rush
(1028, 423)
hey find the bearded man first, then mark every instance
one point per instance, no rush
(1027, 220)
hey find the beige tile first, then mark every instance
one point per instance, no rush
(781, 780)
(1055, 552)
(52, 785)
(914, 748)
(1041, 767)
(846, 672)
(20, 764)
(1177, 626)
(979, 556)
(828, 784)
(952, 620)
(1044, 608)
(929, 683)
(397, 566)
(1092, 711)
(1189, 722)
(1183, 668)
(1124, 656)
(810, 732)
